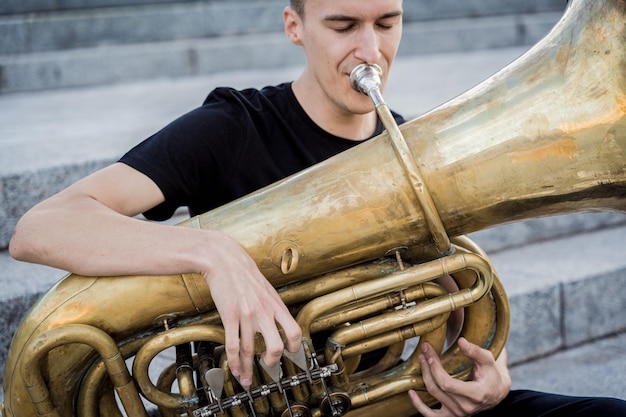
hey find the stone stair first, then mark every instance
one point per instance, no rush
(51, 44)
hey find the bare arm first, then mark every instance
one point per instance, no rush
(89, 229)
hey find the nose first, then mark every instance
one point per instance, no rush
(368, 46)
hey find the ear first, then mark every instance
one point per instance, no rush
(293, 25)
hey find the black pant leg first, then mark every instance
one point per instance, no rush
(525, 403)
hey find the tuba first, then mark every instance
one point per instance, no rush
(358, 247)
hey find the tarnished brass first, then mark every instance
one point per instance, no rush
(355, 252)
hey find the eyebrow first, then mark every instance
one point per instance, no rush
(346, 18)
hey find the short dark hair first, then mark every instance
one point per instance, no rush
(298, 6)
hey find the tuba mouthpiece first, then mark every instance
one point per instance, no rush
(366, 77)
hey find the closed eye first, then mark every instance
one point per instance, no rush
(388, 22)
(344, 29)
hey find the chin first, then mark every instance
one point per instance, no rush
(362, 105)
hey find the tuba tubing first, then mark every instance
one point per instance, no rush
(544, 136)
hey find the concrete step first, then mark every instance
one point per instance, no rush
(597, 369)
(98, 46)
(40, 6)
(415, 9)
(141, 21)
(565, 291)
(81, 28)
(34, 27)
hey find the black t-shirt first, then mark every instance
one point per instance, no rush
(234, 144)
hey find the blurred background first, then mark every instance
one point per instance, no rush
(49, 44)
(81, 81)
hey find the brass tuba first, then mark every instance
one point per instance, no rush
(358, 248)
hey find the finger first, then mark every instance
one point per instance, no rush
(246, 353)
(436, 370)
(449, 391)
(484, 362)
(419, 405)
(430, 383)
(291, 330)
(475, 352)
(232, 348)
(274, 344)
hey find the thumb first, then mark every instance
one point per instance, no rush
(475, 352)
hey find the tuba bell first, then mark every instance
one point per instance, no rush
(359, 249)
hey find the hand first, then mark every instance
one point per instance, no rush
(489, 384)
(248, 304)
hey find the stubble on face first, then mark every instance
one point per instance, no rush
(339, 35)
(344, 34)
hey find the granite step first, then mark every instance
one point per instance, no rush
(28, 27)
(83, 47)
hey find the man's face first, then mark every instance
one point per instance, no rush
(338, 35)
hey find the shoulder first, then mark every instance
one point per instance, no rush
(398, 117)
(249, 97)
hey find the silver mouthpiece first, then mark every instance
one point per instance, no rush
(365, 77)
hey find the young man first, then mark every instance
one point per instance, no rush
(237, 142)
(205, 159)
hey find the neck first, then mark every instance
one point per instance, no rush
(333, 118)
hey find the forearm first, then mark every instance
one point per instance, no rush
(90, 229)
(88, 238)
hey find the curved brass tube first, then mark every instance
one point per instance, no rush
(77, 333)
(403, 279)
(157, 344)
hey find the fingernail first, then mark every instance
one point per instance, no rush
(424, 348)
(421, 358)
(246, 382)
(235, 372)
